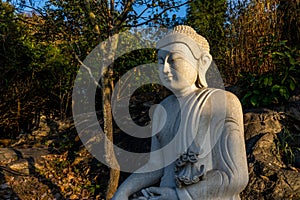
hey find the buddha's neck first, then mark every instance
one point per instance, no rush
(185, 92)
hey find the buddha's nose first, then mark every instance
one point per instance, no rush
(166, 68)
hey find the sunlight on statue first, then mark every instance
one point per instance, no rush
(203, 125)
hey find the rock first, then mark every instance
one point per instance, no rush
(7, 155)
(263, 121)
(269, 177)
(20, 166)
(265, 151)
(22, 160)
(257, 123)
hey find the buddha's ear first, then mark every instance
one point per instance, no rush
(205, 60)
(204, 63)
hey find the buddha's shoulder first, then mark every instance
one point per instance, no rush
(226, 100)
(224, 95)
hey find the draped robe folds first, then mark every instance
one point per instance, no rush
(196, 124)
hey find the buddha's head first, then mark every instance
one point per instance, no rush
(183, 58)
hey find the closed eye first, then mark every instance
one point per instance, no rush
(174, 56)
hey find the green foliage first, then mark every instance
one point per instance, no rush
(272, 88)
(208, 18)
(206, 15)
(133, 59)
(36, 75)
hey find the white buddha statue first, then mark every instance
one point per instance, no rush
(202, 128)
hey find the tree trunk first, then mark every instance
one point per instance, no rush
(107, 88)
(108, 130)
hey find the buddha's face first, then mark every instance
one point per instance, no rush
(177, 67)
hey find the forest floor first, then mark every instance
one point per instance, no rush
(50, 163)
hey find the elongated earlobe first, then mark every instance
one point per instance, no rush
(205, 61)
(203, 65)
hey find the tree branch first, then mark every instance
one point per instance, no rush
(38, 10)
(121, 18)
(89, 71)
(157, 16)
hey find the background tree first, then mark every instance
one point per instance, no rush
(290, 19)
(35, 75)
(208, 18)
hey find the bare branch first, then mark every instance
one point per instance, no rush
(38, 10)
(89, 71)
(121, 18)
(112, 6)
(141, 14)
(158, 15)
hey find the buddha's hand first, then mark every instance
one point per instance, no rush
(119, 196)
(162, 193)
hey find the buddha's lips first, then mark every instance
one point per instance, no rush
(168, 78)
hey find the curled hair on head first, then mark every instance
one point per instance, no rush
(190, 32)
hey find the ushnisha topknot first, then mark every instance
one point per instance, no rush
(189, 31)
(188, 36)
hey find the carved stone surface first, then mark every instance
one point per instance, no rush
(200, 130)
